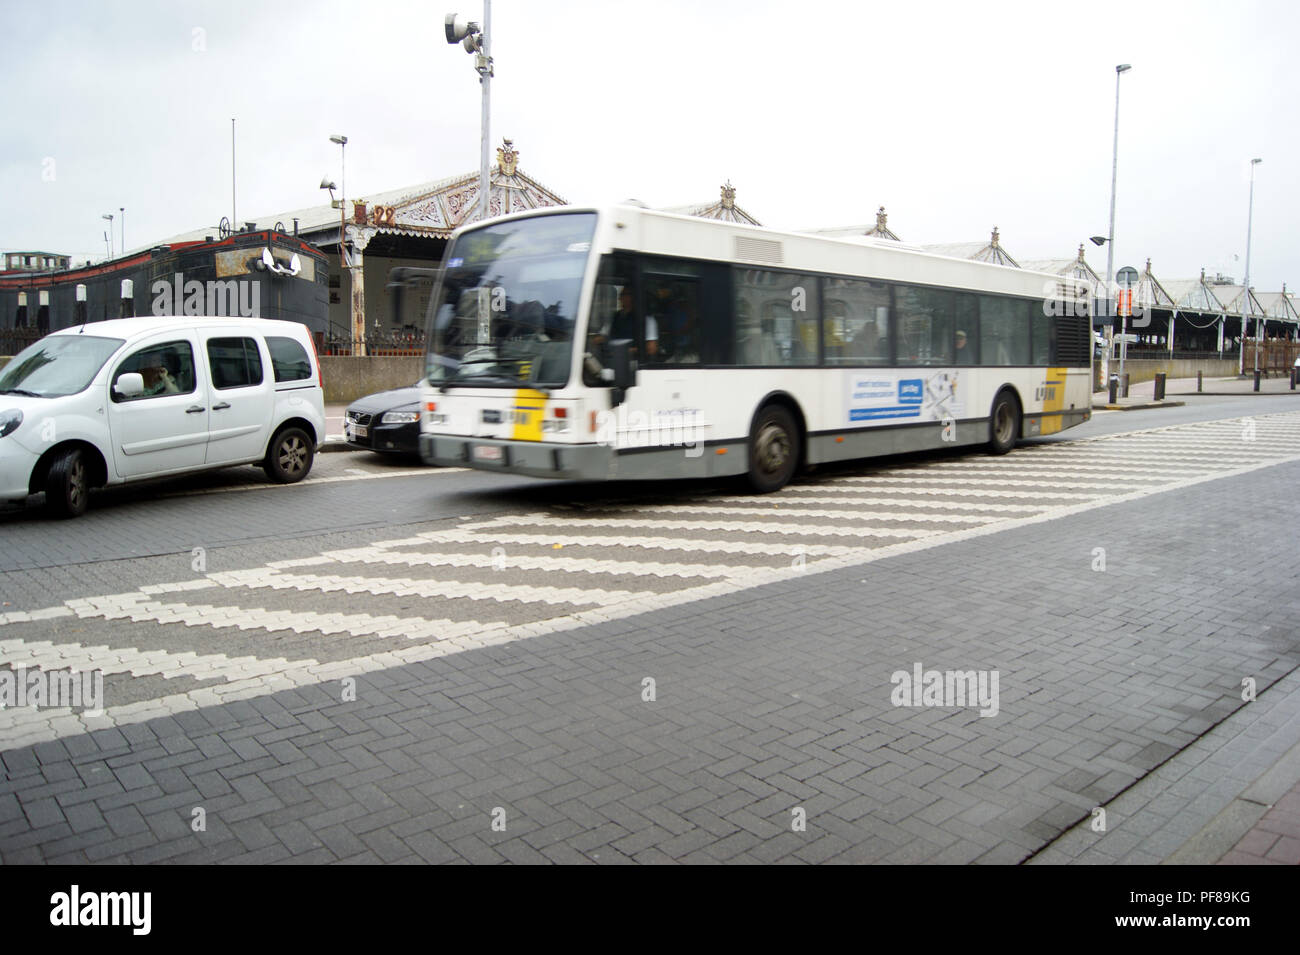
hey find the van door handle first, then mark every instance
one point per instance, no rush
(194, 409)
(222, 406)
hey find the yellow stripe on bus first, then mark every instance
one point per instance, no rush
(529, 409)
(1054, 400)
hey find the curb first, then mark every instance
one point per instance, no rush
(1136, 407)
(334, 443)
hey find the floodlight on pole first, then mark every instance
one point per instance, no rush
(109, 217)
(476, 41)
(1245, 306)
(1120, 70)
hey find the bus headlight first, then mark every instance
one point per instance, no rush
(400, 417)
(9, 421)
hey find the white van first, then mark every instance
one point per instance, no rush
(138, 398)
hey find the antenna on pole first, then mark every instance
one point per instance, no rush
(233, 216)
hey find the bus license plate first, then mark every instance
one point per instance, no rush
(487, 452)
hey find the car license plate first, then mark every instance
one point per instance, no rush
(358, 430)
(487, 452)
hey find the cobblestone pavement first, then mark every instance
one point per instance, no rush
(500, 662)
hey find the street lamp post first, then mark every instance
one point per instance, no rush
(477, 40)
(122, 225)
(109, 217)
(356, 303)
(1120, 70)
(1245, 308)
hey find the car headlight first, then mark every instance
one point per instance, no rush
(400, 417)
(9, 421)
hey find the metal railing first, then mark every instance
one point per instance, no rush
(382, 344)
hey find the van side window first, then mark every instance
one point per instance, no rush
(289, 359)
(235, 362)
(167, 369)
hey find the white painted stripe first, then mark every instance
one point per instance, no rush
(409, 586)
(946, 490)
(901, 479)
(380, 554)
(47, 655)
(551, 538)
(740, 526)
(794, 511)
(1049, 468)
(797, 498)
(311, 481)
(299, 621)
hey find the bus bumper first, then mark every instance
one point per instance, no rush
(588, 462)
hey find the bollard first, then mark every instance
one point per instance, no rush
(1293, 377)
(1198, 381)
(1160, 386)
(1126, 377)
(1257, 379)
(1114, 388)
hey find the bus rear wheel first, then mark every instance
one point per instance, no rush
(1004, 423)
(773, 449)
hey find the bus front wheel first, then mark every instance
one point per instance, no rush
(1004, 423)
(773, 449)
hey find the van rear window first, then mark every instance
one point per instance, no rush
(288, 359)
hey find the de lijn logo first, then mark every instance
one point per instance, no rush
(102, 908)
(233, 298)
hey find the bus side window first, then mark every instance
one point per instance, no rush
(856, 328)
(1004, 331)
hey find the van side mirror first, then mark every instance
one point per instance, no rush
(129, 385)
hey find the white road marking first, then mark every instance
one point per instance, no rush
(434, 638)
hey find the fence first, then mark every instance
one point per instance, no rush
(391, 344)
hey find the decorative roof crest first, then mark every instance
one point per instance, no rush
(728, 196)
(507, 157)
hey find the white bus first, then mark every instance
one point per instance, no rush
(626, 343)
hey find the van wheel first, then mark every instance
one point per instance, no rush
(289, 457)
(67, 485)
(1004, 423)
(773, 450)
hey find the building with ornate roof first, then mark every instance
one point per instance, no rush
(990, 251)
(1076, 267)
(724, 209)
(402, 229)
(880, 230)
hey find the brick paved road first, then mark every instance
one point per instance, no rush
(500, 662)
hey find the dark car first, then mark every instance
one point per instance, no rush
(387, 421)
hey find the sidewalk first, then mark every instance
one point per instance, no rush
(334, 440)
(1142, 393)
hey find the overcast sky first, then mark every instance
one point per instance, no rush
(954, 116)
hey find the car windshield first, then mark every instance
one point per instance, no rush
(503, 312)
(57, 365)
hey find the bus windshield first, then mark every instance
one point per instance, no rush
(504, 311)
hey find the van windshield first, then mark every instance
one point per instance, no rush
(57, 365)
